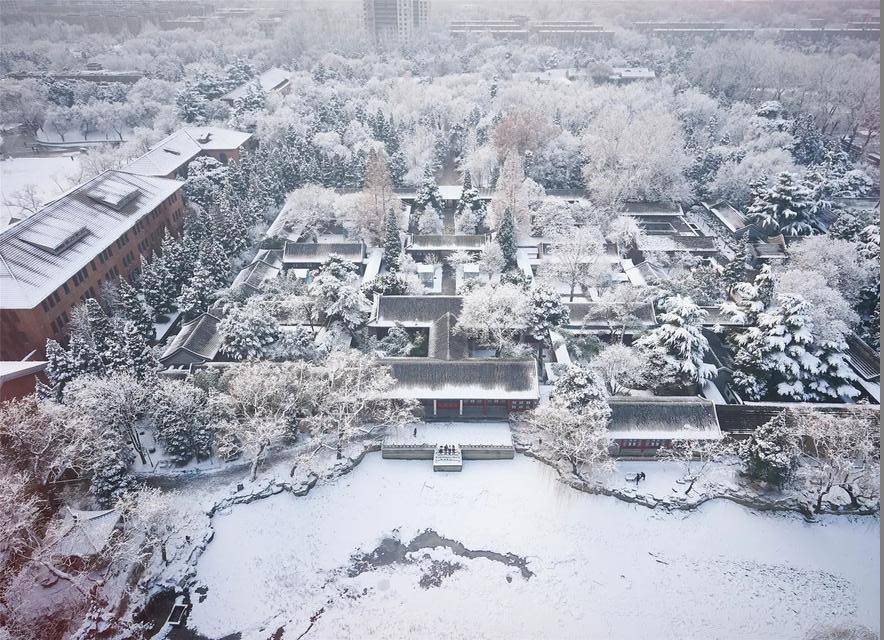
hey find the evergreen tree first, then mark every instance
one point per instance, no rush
(83, 358)
(58, 372)
(470, 211)
(506, 238)
(577, 386)
(197, 293)
(428, 193)
(213, 257)
(130, 353)
(771, 453)
(155, 286)
(392, 242)
(810, 143)
(786, 207)
(192, 106)
(738, 269)
(174, 261)
(136, 311)
(182, 420)
(676, 348)
(834, 380)
(100, 328)
(112, 479)
(254, 99)
(846, 227)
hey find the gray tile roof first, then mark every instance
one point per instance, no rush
(446, 243)
(40, 253)
(415, 310)
(266, 266)
(444, 342)
(319, 252)
(197, 342)
(426, 379)
(579, 311)
(663, 418)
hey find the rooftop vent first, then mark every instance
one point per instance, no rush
(205, 138)
(174, 152)
(114, 194)
(56, 241)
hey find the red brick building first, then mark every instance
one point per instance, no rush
(58, 257)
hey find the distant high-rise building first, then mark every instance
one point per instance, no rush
(395, 20)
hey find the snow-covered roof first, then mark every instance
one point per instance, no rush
(663, 418)
(440, 242)
(81, 534)
(593, 315)
(218, 138)
(671, 243)
(652, 208)
(727, 215)
(863, 358)
(173, 152)
(444, 342)
(167, 156)
(266, 266)
(273, 79)
(413, 311)
(197, 343)
(319, 252)
(425, 379)
(13, 369)
(642, 273)
(373, 264)
(40, 253)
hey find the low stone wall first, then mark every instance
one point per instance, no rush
(469, 452)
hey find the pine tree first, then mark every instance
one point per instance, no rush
(392, 242)
(136, 311)
(213, 257)
(428, 193)
(506, 193)
(737, 270)
(470, 211)
(785, 347)
(506, 238)
(786, 207)
(112, 479)
(196, 294)
(192, 106)
(83, 358)
(676, 348)
(174, 262)
(182, 420)
(100, 328)
(771, 453)
(129, 352)
(58, 372)
(834, 380)
(155, 286)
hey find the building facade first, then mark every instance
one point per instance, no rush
(58, 257)
(395, 20)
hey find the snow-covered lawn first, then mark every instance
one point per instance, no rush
(461, 433)
(51, 175)
(582, 566)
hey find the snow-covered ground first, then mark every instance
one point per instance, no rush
(51, 175)
(461, 433)
(583, 566)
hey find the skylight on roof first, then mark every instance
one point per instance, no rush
(56, 244)
(114, 194)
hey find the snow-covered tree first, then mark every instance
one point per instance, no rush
(576, 386)
(294, 343)
(786, 207)
(546, 313)
(506, 239)
(352, 400)
(839, 451)
(179, 413)
(130, 353)
(246, 330)
(101, 330)
(625, 234)
(676, 348)
(428, 192)
(378, 197)
(695, 456)
(392, 241)
(205, 180)
(136, 311)
(738, 269)
(577, 258)
(772, 451)
(152, 518)
(620, 307)
(470, 210)
(337, 293)
(494, 315)
(506, 193)
(429, 221)
(578, 436)
(197, 293)
(621, 368)
(154, 282)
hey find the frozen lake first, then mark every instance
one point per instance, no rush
(522, 556)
